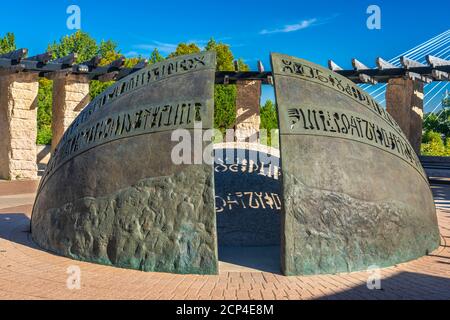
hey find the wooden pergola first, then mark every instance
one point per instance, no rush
(43, 65)
(437, 70)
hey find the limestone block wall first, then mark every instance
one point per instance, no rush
(18, 126)
(247, 110)
(70, 96)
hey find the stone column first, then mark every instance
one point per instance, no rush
(404, 101)
(18, 125)
(70, 96)
(248, 98)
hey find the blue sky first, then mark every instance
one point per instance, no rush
(314, 30)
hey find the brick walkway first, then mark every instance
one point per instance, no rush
(26, 272)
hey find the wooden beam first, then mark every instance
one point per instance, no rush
(68, 60)
(5, 63)
(108, 76)
(418, 77)
(440, 75)
(383, 64)
(117, 64)
(98, 72)
(436, 62)
(93, 62)
(361, 68)
(42, 58)
(333, 66)
(364, 78)
(141, 64)
(16, 55)
(409, 63)
(127, 71)
(12, 69)
(358, 65)
(230, 77)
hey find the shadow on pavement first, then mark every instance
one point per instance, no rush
(405, 285)
(263, 259)
(15, 227)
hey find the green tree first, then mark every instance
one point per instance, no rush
(79, 42)
(438, 122)
(44, 112)
(432, 145)
(184, 48)
(86, 48)
(155, 57)
(269, 119)
(242, 65)
(436, 137)
(224, 107)
(7, 43)
(224, 95)
(225, 58)
(108, 51)
(224, 55)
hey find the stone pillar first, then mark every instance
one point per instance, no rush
(18, 125)
(248, 98)
(404, 101)
(70, 96)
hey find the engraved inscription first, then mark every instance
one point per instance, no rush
(142, 78)
(248, 200)
(250, 167)
(319, 75)
(125, 124)
(311, 120)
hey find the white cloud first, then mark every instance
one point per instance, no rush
(292, 27)
(131, 54)
(161, 46)
(166, 48)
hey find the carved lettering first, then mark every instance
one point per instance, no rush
(349, 125)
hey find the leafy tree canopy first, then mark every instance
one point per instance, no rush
(225, 57)
(436, 137)
(7, 43)
(184, 48)
(79, 42)
(438, 122)
(269, 121)
(155, 57)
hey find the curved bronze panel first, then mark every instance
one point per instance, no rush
(355, 193)
(112, 194)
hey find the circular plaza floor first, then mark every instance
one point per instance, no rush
(28, 272)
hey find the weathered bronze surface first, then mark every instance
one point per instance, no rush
(355, 194)
(111, 193)
(248, 199)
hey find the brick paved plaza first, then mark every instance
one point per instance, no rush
(27, 272)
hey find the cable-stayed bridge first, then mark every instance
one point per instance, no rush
(436, 48)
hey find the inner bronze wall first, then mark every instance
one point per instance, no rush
(248, 196)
